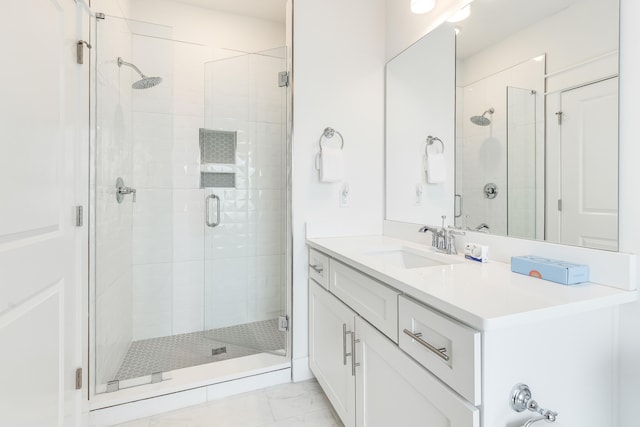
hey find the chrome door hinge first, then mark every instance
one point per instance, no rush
(78, 378)
(283, 78)
(559, 115)
(100, 15)
(79, 216)
(80, 50)
(283, 323)
(560, 205)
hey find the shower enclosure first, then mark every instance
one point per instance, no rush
(190, 205)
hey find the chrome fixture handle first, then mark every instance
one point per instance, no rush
(451, 234)
(521, 400)
(530, 421)
(443, 239)
(318, 268)
(440, 352)
(434, 234)
(122, 190)
(483, 227)
(432, 140)
(490, 190)
(344, 344)
(206, 202)
(354, 341)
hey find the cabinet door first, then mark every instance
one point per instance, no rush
(330, 322)
(393, 390)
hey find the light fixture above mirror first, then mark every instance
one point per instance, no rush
(422, 6)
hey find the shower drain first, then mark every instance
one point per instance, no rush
(219, 350)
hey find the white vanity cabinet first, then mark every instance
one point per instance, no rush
(444, 346)
(377, 385)
(393, 390)
(331, 324)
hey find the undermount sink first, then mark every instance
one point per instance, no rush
(407, 258)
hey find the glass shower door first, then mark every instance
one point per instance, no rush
(521, 162)
(243, 173)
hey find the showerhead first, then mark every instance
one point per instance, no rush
(482, 120)
(145, 82)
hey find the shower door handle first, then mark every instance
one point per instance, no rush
(207, 216)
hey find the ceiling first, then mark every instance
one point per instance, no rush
(271, 10)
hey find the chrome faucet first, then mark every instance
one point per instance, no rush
(122, 190)
(443, 239)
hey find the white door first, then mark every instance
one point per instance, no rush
(393, 390)
(589, 177)
(330, 322)
(40, 275)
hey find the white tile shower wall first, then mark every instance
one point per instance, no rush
(153, 224)
(482, 150)
(246, 277)
(152, 300)
(113, 243)
(169, 228)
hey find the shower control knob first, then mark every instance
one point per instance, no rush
(122, 190)
(490, 190)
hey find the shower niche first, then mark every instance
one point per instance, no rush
(218, 158)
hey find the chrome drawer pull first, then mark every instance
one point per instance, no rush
(440, 352)
(354, 341)
(318, 268)
(344, 344)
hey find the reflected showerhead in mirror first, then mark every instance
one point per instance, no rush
(482, 120)
(144, 82)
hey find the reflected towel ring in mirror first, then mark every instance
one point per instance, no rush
(430, 141)
(329, 133)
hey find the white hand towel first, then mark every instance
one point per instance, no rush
(436, 168)
(331, 164)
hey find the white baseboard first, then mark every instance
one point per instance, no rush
(300, 370)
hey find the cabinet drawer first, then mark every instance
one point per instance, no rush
(447, 348)
(319, 268)
(374, 301)
(394, 390)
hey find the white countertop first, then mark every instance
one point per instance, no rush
(483, 295)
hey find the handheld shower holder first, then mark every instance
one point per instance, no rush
(521, 400)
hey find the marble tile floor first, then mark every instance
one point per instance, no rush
(300, 404)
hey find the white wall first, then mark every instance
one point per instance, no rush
(339, 82)
(629, 204)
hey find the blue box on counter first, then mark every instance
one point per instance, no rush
(555, 270)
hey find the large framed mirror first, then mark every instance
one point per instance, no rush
(534, 128)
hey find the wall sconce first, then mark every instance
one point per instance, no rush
(422, 6)
(461, 15)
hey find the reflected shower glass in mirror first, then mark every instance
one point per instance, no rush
(536, 128)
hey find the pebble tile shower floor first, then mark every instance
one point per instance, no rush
(164, 354)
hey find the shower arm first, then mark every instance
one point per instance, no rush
(129, 64)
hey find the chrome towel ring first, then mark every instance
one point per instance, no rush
(329, 133)
(430, 141)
